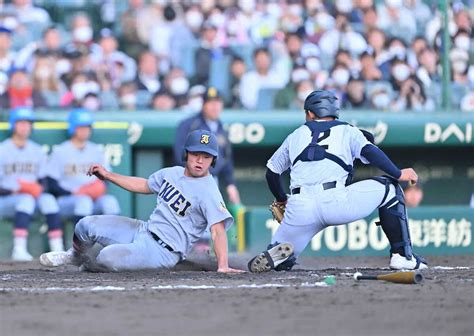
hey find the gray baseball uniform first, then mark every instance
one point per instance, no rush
(68, 165)
(185, 207)
(27, 163)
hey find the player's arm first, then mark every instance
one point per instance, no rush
(5, 192)
(219, 237)
(130, 183)
(278, 163)
(379, 159)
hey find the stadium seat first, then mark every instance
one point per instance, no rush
(143, 98)
(109, 100)
(219, 75)
(265, 98)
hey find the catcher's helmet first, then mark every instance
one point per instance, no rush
(322, 103)
(78, 117)
(201, 141)
(20, 113)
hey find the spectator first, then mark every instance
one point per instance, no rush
(133, 46)
(355, 97)
(369, 18)
(427, 71)
(462, 40)
(20, 92)
(162, 100)
(285, 97)
(84, 92)
(177, 85)
(237, 70)
(208, 50)
(7, 56)
(410, 89)
(44, 76)
(342, 37)
(380, 97)
(208, 119)
(262, 77)
(108, 59)
(369, 71)
(127, 95)
(82, 32)
(340, 75)
(420, 11)
(377, 47)
(195, 100)
(303, 89)
(418, 44)
(459, 66)
(353, 64)
(294, 45)
(463, 21)
(148, 72)
(396, 20)
(467, 104)
(26, 13)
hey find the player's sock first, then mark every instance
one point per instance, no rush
(56, 243)
(20, 242)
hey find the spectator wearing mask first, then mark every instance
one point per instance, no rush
(26, 13)
(177, 84)
(82, 32)
(84, 92)
(410, 89)
(380, 97)
(459, 66)
(20, 92)
(127, 95)
(285, 97)
(148, 76)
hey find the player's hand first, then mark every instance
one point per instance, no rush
(98, 171)
(409, 175)
(229, 270)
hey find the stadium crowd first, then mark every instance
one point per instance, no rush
(160, 55)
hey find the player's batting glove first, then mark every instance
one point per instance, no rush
(278, 210)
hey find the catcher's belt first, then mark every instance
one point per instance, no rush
(326, 186)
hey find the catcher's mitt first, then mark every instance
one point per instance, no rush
(278, 210)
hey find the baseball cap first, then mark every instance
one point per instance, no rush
(211, 93)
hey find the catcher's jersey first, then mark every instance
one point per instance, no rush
(185, 207)
(69, 165)
(343, 141)
(26, 163)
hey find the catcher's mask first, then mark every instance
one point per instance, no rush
(201, 141)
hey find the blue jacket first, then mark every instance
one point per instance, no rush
(224, 168)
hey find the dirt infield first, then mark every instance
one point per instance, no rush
(191, 300)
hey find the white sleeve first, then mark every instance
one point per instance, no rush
(280, 160)
(358, 141)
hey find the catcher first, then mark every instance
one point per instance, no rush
(320, 154)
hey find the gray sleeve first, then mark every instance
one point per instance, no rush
(215, 211)
(53, 165)
(155, 181)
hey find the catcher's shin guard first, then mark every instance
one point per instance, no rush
(394, 219)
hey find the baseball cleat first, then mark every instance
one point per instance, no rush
(268, 260)
(399, 262)
(53, 259)
(21, 255)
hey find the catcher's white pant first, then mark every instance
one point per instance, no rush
(125, 244)
(314, 209)
(45, 203)
(81, 205)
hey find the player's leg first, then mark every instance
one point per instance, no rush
(360, 199)
(20, 209)
(91, 234)
(107, 205)
(143, 253)
(299, 225)
(48, 206)
(75, 206)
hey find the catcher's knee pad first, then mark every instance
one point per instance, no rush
(287, 264)
(26, 204)
(394, 219)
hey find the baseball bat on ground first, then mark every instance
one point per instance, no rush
(410, 277)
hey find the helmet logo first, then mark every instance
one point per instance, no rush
(205, 139)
